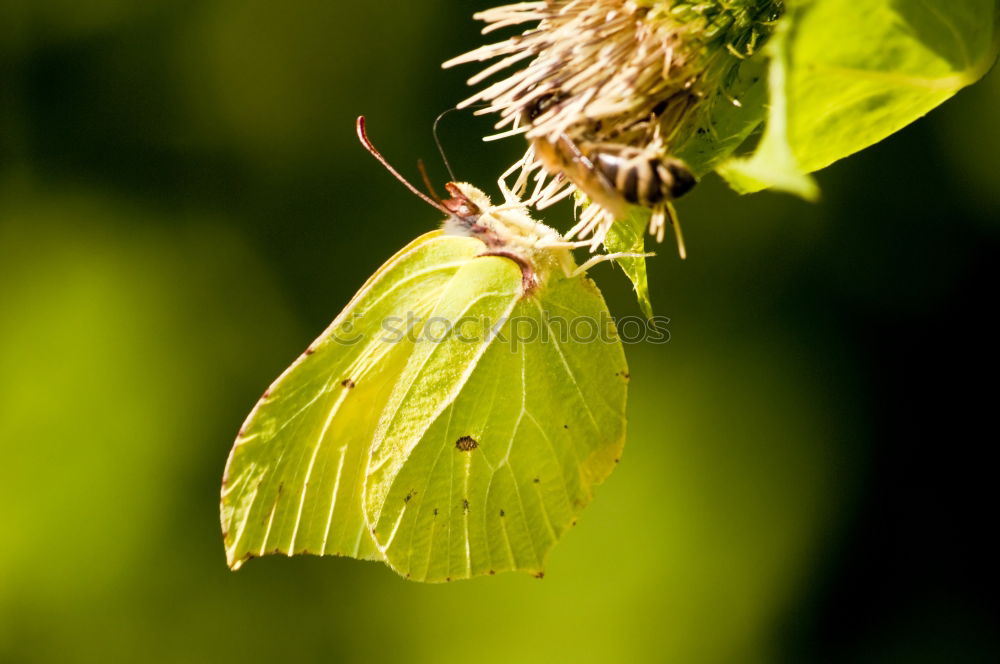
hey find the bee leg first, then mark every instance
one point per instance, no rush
(675, 221)
(607, 257)
(657, 222)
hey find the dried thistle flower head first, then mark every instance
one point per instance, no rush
(608, 87)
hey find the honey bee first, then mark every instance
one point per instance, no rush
(617, 176)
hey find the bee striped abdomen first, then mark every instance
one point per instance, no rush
(641, 179)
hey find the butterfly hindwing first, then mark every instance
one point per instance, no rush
(480, 466)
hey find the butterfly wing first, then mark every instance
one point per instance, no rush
(488, 450)
(294, 479)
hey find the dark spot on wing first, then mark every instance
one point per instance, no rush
(565, 426)
(447, 578)
(435, 511)
(492, 572)
(348, 383)
(465, 504)
(281, 487)
(410, 495)
(466, 443)
(309, 351)
(502, 513)
(626, 375)
(617, 460)
(540, 575)
(267, 393)
(536, 480)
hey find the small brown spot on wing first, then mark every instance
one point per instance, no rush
(540, 575)
(466, 444)
(465, 505)
(409, 496)
(348, 383)
(502, 513)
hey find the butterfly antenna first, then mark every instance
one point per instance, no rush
(363, 136)
(427, 181)
(437, 141)
(437, 138)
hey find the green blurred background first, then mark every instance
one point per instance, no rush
(184, 206)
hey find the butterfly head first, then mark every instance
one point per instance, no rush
(506, 230)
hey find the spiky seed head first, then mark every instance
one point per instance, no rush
(639, 73)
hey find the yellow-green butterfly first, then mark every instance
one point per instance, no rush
(452, 421)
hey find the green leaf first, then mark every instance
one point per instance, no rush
(847, 74)
(628, 236)
(773, 164)
(464, 447)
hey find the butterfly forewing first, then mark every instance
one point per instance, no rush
(295, 477)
